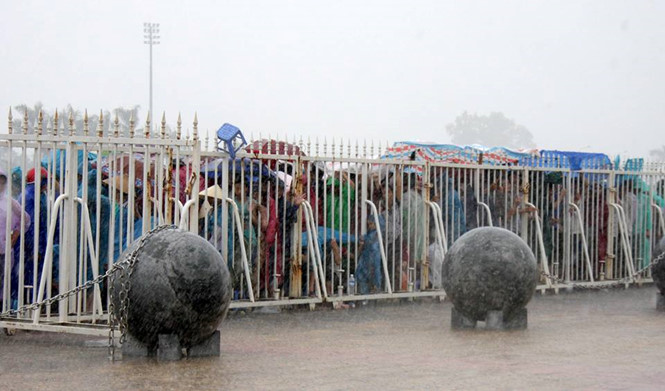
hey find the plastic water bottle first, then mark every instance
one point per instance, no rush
(352, 285)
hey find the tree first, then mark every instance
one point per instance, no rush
(658, 154)
(493, 130)
(124, 115)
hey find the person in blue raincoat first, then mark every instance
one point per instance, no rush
(104, 218)
(28, 239)
(216, 220)
(369, 273)
(454, 218)
(120, 210)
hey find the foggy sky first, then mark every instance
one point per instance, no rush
(580, 75)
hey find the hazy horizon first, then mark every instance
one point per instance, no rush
(585, 76)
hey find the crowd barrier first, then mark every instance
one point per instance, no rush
(302, 222)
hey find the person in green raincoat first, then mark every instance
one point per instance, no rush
(413, 217)
(643, 227)
(340, 196)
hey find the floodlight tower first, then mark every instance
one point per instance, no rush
(151, 37)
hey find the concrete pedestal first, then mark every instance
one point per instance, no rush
(134, 348)
(494, 320)
(208, 348)
(169, 348)
(460, 322)
(660, 302)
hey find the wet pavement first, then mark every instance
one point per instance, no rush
(609, 340)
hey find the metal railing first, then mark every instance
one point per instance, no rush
(285, 202)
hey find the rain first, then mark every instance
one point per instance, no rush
(332, 195)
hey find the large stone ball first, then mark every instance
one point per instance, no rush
(180, 285)
(489, 269)
(658, 270)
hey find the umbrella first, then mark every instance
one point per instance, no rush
(445, 153)
(251, 169)
(273, 147)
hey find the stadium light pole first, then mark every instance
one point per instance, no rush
(151, 37)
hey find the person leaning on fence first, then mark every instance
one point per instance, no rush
(31, 192)
(10, 210)
(121, 212)
(413, 228)
(340, 197)
(216, 221)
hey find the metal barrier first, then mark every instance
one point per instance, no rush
(291, 216)
(541, 245)
(584, 242)
(625, 242)
(245, 265)
(375, 215)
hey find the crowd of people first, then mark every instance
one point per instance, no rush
(399, 236)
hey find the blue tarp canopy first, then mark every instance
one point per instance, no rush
(575, 161)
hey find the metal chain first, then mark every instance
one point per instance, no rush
(126, 267)
(611, 284)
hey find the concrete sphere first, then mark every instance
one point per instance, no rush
(180, 285)
(489, 269)
(658, 270)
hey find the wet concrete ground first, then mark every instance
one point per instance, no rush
(605, 340)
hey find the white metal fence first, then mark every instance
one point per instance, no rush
(296, 219)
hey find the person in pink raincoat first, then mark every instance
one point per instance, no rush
(10, 212)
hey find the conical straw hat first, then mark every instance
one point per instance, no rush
(213, 192)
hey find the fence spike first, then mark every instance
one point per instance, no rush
(100, 125)
(195, 131)
(10, 123)
(178, 133)
(71, 121)
(25, 121)
(86, 124)
(49, 127)
(40, 122)
(116, 125)
(131, 124)
(146, 130)
(61, 126)
(163, 129)
(268, 140)
(55, 123)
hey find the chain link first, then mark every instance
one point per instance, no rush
(611, 284)
(125, 266)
